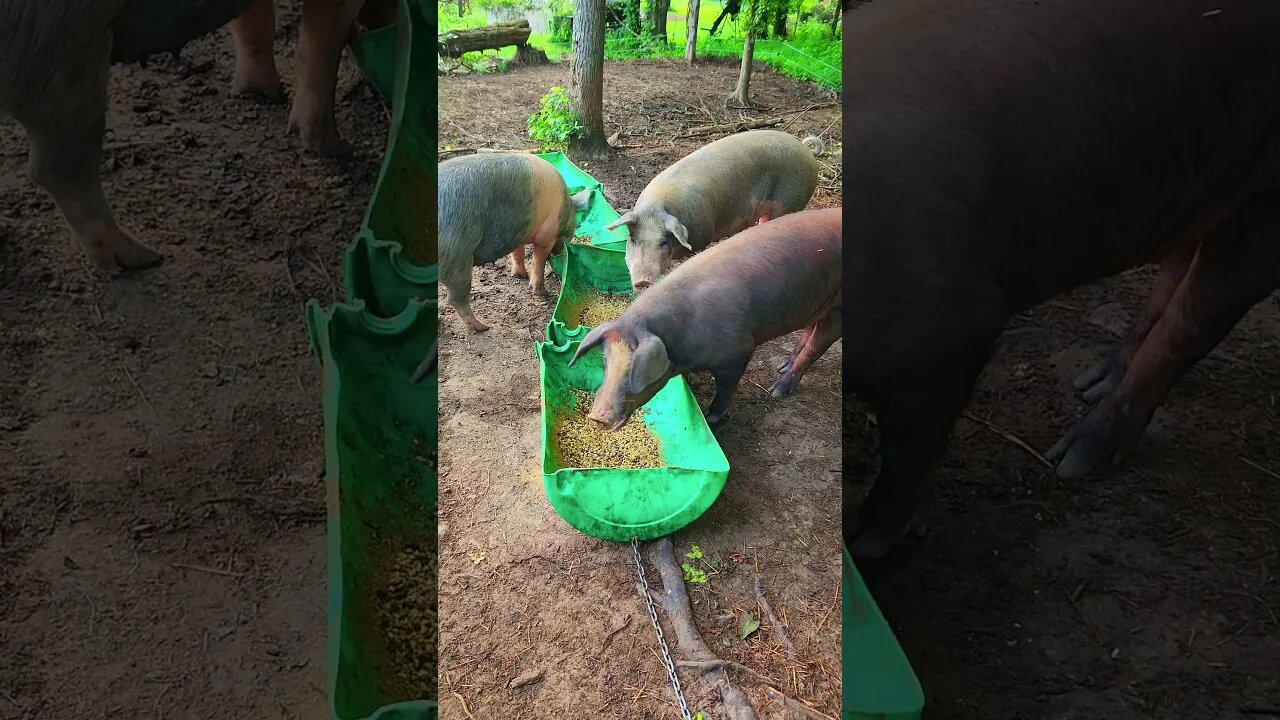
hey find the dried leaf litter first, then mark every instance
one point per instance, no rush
(600, 308)
(580, 443)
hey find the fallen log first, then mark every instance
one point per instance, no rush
(455, 43)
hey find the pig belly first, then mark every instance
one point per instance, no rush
(746, 217)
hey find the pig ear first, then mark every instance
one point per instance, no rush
(627, 218)
(582, 199)
(678, 229)
(592, 339)
(649, 364)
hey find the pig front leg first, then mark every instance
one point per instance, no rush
(66, 154)
(1100, 380)
(1231, 271)
(253, 38)
(727, 377)
(517, 263)
(326, 27)
(915, 411)
(818, 337)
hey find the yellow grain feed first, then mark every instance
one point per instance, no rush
(581, 239)
(599, 308)
(580, 443)
(407, 616)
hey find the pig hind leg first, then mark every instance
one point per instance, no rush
(1232, 270)
(253, 38)
(517, 263)
(455, 275)
(1101, 379)
(66, 154)
(326, 27)
(817, 339)
(808, 333)
(727, 377)
(915, 411)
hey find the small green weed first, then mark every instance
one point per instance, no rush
(556, 123)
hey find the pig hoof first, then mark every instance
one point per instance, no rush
(1098, 382)
(262, 87)
(717, 420)
(783, 386)
(785, 365)
(122, 253)
(1090, 444)
(519, 272)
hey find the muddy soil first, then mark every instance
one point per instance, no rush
(525, 597)
(161, 459)
(1148, 591)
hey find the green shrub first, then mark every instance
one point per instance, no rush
(556, 123)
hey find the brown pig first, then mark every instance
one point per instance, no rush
(712, 312)
(1002, 153)
(55, 57)
(714, 192)
(492, 205)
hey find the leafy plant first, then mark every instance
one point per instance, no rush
(693, 574)
(556, 123)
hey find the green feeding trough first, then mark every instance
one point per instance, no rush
(380, 431)
(878, 682)
(594, 280)
(621, 503)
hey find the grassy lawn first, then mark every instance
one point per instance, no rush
(810, 52)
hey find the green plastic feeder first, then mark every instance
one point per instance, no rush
(878, 682)
(381, 439)
(618, 504)
(587, 270)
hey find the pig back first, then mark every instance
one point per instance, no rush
(486, 204)
(764, 282)
(723, 186)
(1032, 147)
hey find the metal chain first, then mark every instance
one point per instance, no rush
(657, 627)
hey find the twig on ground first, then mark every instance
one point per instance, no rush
(1010, 438)
(674, 600)
(211, 571)
(732, 127)
(775, 694)
(134, 381)
(773, 619)
(465, 709)
(1274, 475)
(709, 665)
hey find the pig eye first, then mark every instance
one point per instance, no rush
(665, 242)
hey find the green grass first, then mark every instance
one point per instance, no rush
(809, 53)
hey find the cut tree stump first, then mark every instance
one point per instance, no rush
(529, 55)
(455, 43)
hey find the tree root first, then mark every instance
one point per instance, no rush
(675, 602)
(773, 619)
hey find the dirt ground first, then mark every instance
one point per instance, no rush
(525, 595)
(1147, 591)
(161, 458)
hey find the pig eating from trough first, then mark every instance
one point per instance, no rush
(714, 192)
(493, 204)
(713, 310)
(55, 57)
(999, 154)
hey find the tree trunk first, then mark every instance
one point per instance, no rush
(835, 17)
(491, 37)
(586, 78)
(743, 94)
(780, 21)
(657, 19)
(691, 33)
(631, 17)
